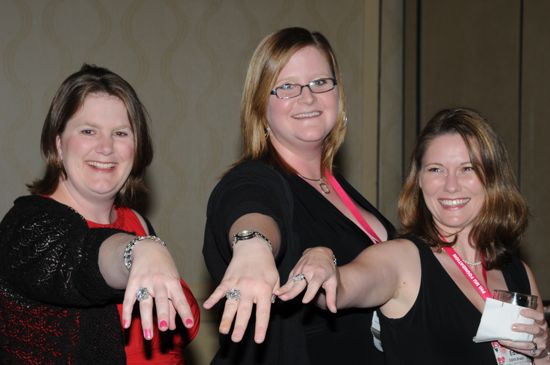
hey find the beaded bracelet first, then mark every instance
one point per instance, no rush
(129, 250)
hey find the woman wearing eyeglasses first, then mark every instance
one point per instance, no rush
(281, 198)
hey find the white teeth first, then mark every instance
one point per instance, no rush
(307, 115)
(102, 165)
(454, 202)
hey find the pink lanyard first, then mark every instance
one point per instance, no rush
(352, 208)
(482, 290)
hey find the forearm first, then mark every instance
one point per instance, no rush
(111, 262)
(365, 283)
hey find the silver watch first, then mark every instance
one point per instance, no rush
(246, 235)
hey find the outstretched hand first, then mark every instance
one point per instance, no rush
(316, 269)
(249, 280)
(155, 276)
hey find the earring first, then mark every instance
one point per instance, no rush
(267, 131)
(345, 120)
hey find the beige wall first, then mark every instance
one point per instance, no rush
(491, 55)
(187, 61)
(401, 61)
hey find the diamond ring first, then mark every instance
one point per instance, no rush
(298, 277)
(142, 294)
(233, 294)
(534, 349)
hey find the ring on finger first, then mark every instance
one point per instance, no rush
(534, 349)
(233, 294)
(142, 294)
(273, 298)
(298, 277)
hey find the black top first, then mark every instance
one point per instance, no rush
(297, 334)
(55, 307)
(439, 327)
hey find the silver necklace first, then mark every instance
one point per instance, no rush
(471, 263)
(321, 181)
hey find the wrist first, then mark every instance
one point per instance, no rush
(128, 256)
(249, 235)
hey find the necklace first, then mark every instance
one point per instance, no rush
(471, 263)
(321, 181)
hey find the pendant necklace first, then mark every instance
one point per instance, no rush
(321, 181)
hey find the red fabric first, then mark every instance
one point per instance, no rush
(167, 347)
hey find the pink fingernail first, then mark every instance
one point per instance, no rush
(125, 324)
(147, 334)
(188, 322)
(163, 324)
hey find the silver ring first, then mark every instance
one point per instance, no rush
(298, 277)
(534, 349)
(334, 262)
(233, 294)
(142, 294)
(273, 298)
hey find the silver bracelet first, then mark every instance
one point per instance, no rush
(129, 250)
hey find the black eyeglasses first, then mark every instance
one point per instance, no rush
(319, 86)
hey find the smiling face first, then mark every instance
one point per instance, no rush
(97, 149)
(303, 121)
(450, 186)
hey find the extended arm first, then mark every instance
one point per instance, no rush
(252, 271)
(386, 274)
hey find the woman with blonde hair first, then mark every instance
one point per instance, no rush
(280, 198)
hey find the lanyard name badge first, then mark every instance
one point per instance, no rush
(503, 355)
(375, 323)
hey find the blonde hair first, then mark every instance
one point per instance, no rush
(269, 58)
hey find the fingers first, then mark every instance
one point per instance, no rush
(330, 293)
(128, 306)
(214, 298)
(228, 315)
(244, 311)
(162, 305)
(146, 316)
(263, 311)
(313, 286)
(180, 304)
(293, 287)
(167, 300)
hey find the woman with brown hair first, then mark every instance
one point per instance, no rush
(463, 219)
(279, 199)
(75, 257)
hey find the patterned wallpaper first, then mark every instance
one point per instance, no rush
(187, 61)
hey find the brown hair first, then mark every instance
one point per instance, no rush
(502, 220)
(269, 58)
(68, 99)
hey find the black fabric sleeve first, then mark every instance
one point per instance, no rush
(48, 254)
(252, 187)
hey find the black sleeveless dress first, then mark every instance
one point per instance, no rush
(298, 334)
(440, 326)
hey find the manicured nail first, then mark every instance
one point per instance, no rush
(147, 334)
(188, 322)
(163, 324)
(125, 324)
